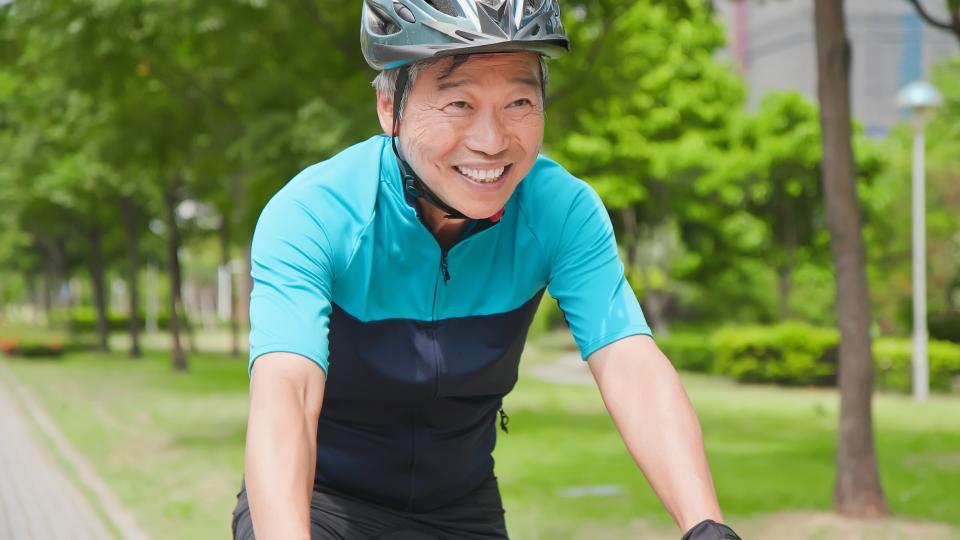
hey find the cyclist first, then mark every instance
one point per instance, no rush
(394, 284)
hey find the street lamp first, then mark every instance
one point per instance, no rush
(920, 97)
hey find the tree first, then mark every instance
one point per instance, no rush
(651, 121)
(952, 24)
(857, 491)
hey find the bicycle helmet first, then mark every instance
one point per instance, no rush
(397, 32)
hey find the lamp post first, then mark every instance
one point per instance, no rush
(920, 97)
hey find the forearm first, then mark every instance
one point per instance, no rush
(279, 462)
(659, 426)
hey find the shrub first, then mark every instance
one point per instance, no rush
(799, 354)
(31, 349)
(944, 326)
(789, 353)
(893, 362)
(84, 319)
(688, 351)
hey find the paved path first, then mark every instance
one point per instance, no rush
(38, 501)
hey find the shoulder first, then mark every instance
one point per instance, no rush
(331, 201)
(553, 202)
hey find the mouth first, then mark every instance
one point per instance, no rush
(483, 175)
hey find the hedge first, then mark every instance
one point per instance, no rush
(85, 320)
(688, 351)
(789, 353)
(800, 354)
(893, 361)
(31, 349)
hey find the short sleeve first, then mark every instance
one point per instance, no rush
(292, 272)
(587, 279)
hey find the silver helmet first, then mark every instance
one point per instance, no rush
(397, 32)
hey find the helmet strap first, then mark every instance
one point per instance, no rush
(412, 183)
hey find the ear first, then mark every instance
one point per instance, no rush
(385, 113)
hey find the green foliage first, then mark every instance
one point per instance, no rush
(688, 351)
(886, 203)
(789, 353)
(84, 319)
(893, 364)
(800, 354)
(31, 349)
(944, 326)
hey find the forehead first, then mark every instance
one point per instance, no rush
(481, 69)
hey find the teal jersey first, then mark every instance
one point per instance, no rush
(420, 344)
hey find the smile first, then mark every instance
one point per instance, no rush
(487, 175)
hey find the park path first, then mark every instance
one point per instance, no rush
(38, 500)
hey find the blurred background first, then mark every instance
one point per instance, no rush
(139, 140)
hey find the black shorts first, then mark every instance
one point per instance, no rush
(335, 516)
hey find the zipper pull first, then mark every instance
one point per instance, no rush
(504, 420)
(443, 267)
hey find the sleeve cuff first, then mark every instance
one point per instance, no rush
(313, 356)
(595, 345)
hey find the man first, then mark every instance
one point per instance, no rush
(394, 285)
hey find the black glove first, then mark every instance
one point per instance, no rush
(709, 529)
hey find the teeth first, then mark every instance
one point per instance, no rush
(481, 175)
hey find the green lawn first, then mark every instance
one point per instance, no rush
(171, 445)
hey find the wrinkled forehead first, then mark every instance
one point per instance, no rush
(481, 69)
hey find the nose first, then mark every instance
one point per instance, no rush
(488, 134)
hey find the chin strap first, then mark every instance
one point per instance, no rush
(412, 183)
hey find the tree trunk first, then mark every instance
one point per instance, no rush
(131, 225)
(857, 491)
(99, 284)
(785, 271)
(178, 356)
(53, 257)
(225, 260)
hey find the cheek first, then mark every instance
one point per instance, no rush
(529, 132)
(434, 135)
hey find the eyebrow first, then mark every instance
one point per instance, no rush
(526, 81)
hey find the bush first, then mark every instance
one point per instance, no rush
(31, 349)
(84, 319)
(893, 361)
(799, 354)
(688, 351)
(788, 353)
(944, 326)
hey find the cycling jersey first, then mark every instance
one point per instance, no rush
(421, 344)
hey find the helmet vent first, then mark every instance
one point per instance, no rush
(404, 12)
(465, 35)
(379, 23)
(444, 6)
(531, 6)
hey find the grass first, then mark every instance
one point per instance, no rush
(171, 445)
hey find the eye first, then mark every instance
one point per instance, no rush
(524, 102)
(458, 105)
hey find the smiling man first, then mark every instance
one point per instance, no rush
(394, 285)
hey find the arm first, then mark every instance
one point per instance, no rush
(650, 408)
(286, 392)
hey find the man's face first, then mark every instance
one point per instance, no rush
(473, 133)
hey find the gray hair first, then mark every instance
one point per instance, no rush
(386, 81)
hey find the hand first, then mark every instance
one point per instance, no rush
(709, 529)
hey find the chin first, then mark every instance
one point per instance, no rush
(480, 210)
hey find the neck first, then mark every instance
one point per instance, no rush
(446, 231)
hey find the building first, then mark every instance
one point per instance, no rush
(774, 44)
